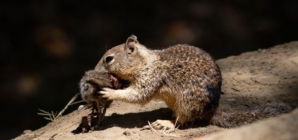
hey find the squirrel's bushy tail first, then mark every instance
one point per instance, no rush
(229, 120)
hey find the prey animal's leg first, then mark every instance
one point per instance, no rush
(99, 115)
(101, 106)
(103, 113)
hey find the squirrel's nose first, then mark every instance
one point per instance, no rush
(109, 59)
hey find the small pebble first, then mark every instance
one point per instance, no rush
(27, 131)
(80, 107)
(126, 133)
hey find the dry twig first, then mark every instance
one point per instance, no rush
(51, 116)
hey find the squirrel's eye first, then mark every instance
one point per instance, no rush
(109, 59)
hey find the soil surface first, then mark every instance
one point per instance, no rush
(249, 80)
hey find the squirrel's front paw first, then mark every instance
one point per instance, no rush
(108, 93)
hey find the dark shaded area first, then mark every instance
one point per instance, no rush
(45, 46)
(132, 120)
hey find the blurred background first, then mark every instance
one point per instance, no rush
(46, 45)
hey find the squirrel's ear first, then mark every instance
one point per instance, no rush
(130, 45)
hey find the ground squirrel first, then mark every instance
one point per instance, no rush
(185, 77)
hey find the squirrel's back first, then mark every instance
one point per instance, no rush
(189, 66)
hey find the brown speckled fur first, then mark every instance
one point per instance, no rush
(185, 77)
(91, 83)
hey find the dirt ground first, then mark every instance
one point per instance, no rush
(283, 127)
(249, 80)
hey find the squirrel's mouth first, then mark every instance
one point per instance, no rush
(118, 83)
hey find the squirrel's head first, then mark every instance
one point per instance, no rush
(123, 60)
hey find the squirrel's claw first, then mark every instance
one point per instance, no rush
(108, 93)
(163, 124)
